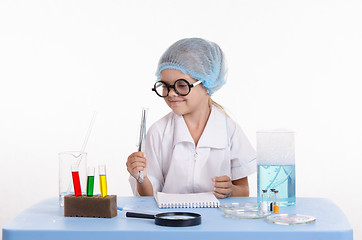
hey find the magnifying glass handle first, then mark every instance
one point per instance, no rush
(139, 215)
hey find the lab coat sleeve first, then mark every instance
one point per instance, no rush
(242, 153)
(153, 167)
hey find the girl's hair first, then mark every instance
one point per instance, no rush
(212, 102)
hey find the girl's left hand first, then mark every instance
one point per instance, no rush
(222, 186)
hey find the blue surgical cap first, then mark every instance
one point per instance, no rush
(201, 59)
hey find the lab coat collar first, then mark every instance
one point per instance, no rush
(214, 135)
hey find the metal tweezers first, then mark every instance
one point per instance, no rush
(142, 138)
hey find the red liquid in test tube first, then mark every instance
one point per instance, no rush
(76, 181)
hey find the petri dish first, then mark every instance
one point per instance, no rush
(290, 219)
(248, 206)
(235, 214)
(243, 211)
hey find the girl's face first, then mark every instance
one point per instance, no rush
(181, 105)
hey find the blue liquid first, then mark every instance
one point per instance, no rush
(279, 177)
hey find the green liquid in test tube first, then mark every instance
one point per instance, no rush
(90, 181)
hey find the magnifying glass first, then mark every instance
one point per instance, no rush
(171, 219)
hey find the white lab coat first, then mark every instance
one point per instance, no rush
(175, 165)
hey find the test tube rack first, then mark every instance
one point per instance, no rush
(95, 206)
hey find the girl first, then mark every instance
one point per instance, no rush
(196, 147)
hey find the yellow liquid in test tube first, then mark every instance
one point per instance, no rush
(102, 180)
(103, 184)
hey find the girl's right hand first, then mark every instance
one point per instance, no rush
(136, 162)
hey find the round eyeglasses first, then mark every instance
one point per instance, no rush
(181, 87)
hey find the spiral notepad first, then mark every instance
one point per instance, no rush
(191, 200)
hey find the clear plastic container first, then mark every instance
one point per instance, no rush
(276, 164)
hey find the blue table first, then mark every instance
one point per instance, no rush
(45, 220)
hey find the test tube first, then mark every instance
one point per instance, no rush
(264, 201)
(271, 197)
(90, 181)
(76, 181)
(102, 180)
(276, 202)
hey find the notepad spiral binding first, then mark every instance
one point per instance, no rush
(190, 205)
(193, 200)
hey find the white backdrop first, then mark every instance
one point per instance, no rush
(293, 64)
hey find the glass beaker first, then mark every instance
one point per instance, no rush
(276, 164)
(66, 160)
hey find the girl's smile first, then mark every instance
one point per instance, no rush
(176, 102)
